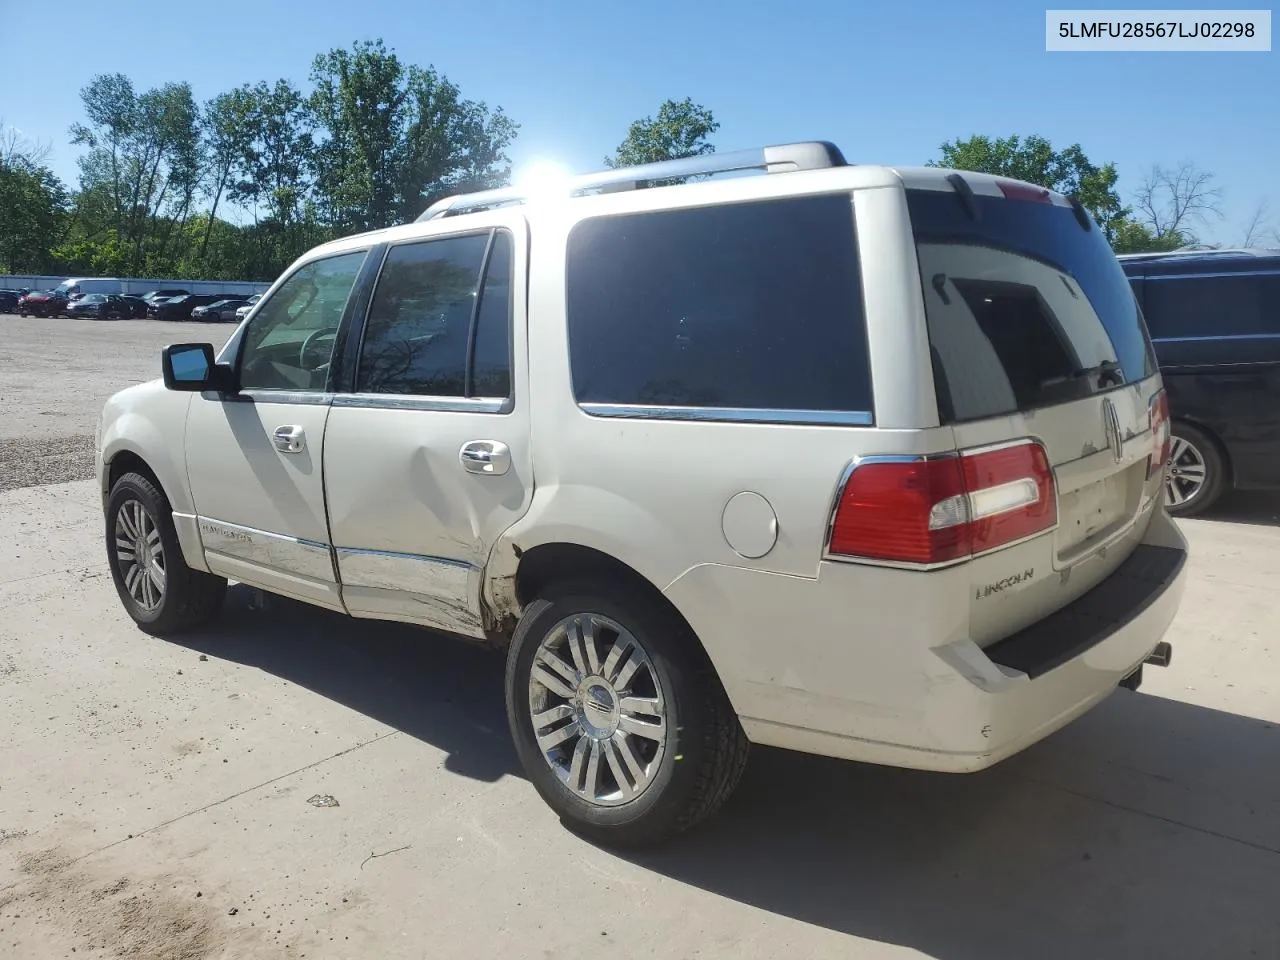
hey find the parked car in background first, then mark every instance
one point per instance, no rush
(103, 306)
(137, 306)
(218, 310)
(242, 312)
(155, 296)
(943, 488)
(1214, 318)
(91, 305)
(42, 303)
(9, 301)
(179, 308)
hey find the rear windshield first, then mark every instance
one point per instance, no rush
(1025, 308)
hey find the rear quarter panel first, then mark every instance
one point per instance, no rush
(653, 493)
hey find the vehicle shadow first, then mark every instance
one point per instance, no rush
(1261, 507)
(1147, 828)
(441, 690)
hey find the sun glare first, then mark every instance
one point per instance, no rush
(542, 178)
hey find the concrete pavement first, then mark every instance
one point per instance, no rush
(169, 800)
(166, 799)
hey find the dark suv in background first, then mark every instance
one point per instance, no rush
(179, 308)
(1214, 317)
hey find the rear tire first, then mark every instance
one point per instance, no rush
(631, 748)
(1196, 475)
(159, 591)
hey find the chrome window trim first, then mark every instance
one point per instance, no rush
(1217, 336)
(395, 555)
(399, 401)
(828, 556)
(317, 398)
(1208, 276)
(833, 418)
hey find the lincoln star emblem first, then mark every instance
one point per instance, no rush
(1111, 424)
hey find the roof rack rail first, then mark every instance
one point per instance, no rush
(781, 158)
(1203, 251)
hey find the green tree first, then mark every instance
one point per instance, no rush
(452, 145)
(1134, 237)
(32, 204)
(144, 156)
(1034, 160)
(274, 179)
(397, 136)
(680, 130)
(224, 143)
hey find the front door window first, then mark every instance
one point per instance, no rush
(289, 343)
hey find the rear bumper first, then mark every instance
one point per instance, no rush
(892, 695)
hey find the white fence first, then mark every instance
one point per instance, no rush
(138, 285)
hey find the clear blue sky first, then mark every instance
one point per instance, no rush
(887, 81)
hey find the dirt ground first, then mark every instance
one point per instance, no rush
(290, 783)
(55, 376)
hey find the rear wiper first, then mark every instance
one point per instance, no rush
(1108, 372)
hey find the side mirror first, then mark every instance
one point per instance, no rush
(191, 367)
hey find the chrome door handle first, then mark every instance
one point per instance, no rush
(289, 439)
(490, 457)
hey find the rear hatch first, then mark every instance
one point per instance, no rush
(1035, 333)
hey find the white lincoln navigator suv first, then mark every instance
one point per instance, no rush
(854, 460)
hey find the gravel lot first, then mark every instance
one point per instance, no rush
(56, 374)
(291, 783)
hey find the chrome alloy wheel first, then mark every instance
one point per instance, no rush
(140, 554)
(1185, 475)
(598, 710)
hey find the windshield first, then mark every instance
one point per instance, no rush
(64, 288)
(1025, 308)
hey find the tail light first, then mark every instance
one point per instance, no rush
(943, 509)
(1162, 431)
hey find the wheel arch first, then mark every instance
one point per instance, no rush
(124, 459)
(559, 561)
(128, 461)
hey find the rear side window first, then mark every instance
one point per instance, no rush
(750, 306)
(440, 320)
(1025, 308)
(1212, 306)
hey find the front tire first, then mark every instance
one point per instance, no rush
(1196, 474)
(159, 591)
(618, 718)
